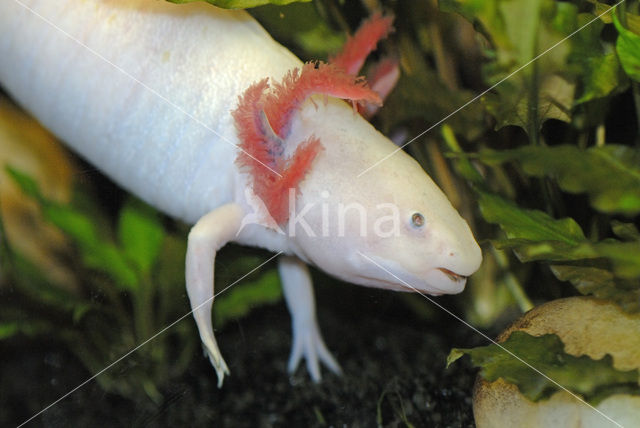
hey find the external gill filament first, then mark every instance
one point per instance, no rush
(263, 121)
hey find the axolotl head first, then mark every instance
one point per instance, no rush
(380, 223)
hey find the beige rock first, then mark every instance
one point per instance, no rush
(587, 326)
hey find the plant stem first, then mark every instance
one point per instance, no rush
(636, 101)
(142, 311)
(464, 167)
(532, 105)
(512, 283)
(6, 256)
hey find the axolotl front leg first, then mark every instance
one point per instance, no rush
(212, 232)
(209, 234)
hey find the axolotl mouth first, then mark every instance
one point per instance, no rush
(436, 281)
(452, 275)
(433, 289)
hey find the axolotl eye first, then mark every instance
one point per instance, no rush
(417, 220)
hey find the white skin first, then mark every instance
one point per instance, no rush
(161, 128)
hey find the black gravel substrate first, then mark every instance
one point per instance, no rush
(394, 365)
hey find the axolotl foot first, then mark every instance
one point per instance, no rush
(308, 342)
(218, 363)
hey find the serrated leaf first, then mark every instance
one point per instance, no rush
(529, 225)
(534, 235)
(546, 353)
(625, 231)
(240, 4)
(602, 76)
(605, 12)
(239, 300)
(628, 48)
(519, 31)
(141, 234)
(624, 256)
(512, 105)
(610, 175)
(549, 250)
(601, 283)
(595, 62)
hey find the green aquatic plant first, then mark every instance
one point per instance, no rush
(131, 289)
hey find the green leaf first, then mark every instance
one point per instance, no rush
(97, 253)
(513, 103)
(8, 329)
(74, 224)
(481, 12)
(26, 183)
(632, 20)
(27, 327)
(610, 175)
(30, 281)
(628, 48)
(625, 257)
(625, 231)
(602, 76)
(519, 31)
(546, 353)
(595, 62)
(462, 164)
(534, 235)
(80, 310)
(237, 302)
(320, 40)
(522, 19)
(600, 282)
(240, 4)
(140, 234)
(300, 25)
(543, 90)
(530, 226)
(6, 255)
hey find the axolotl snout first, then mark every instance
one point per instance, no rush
(197, 111)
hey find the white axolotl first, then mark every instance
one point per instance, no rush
(170, 101)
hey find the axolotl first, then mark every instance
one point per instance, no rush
(200, 113)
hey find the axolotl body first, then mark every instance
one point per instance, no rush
(171, 102)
